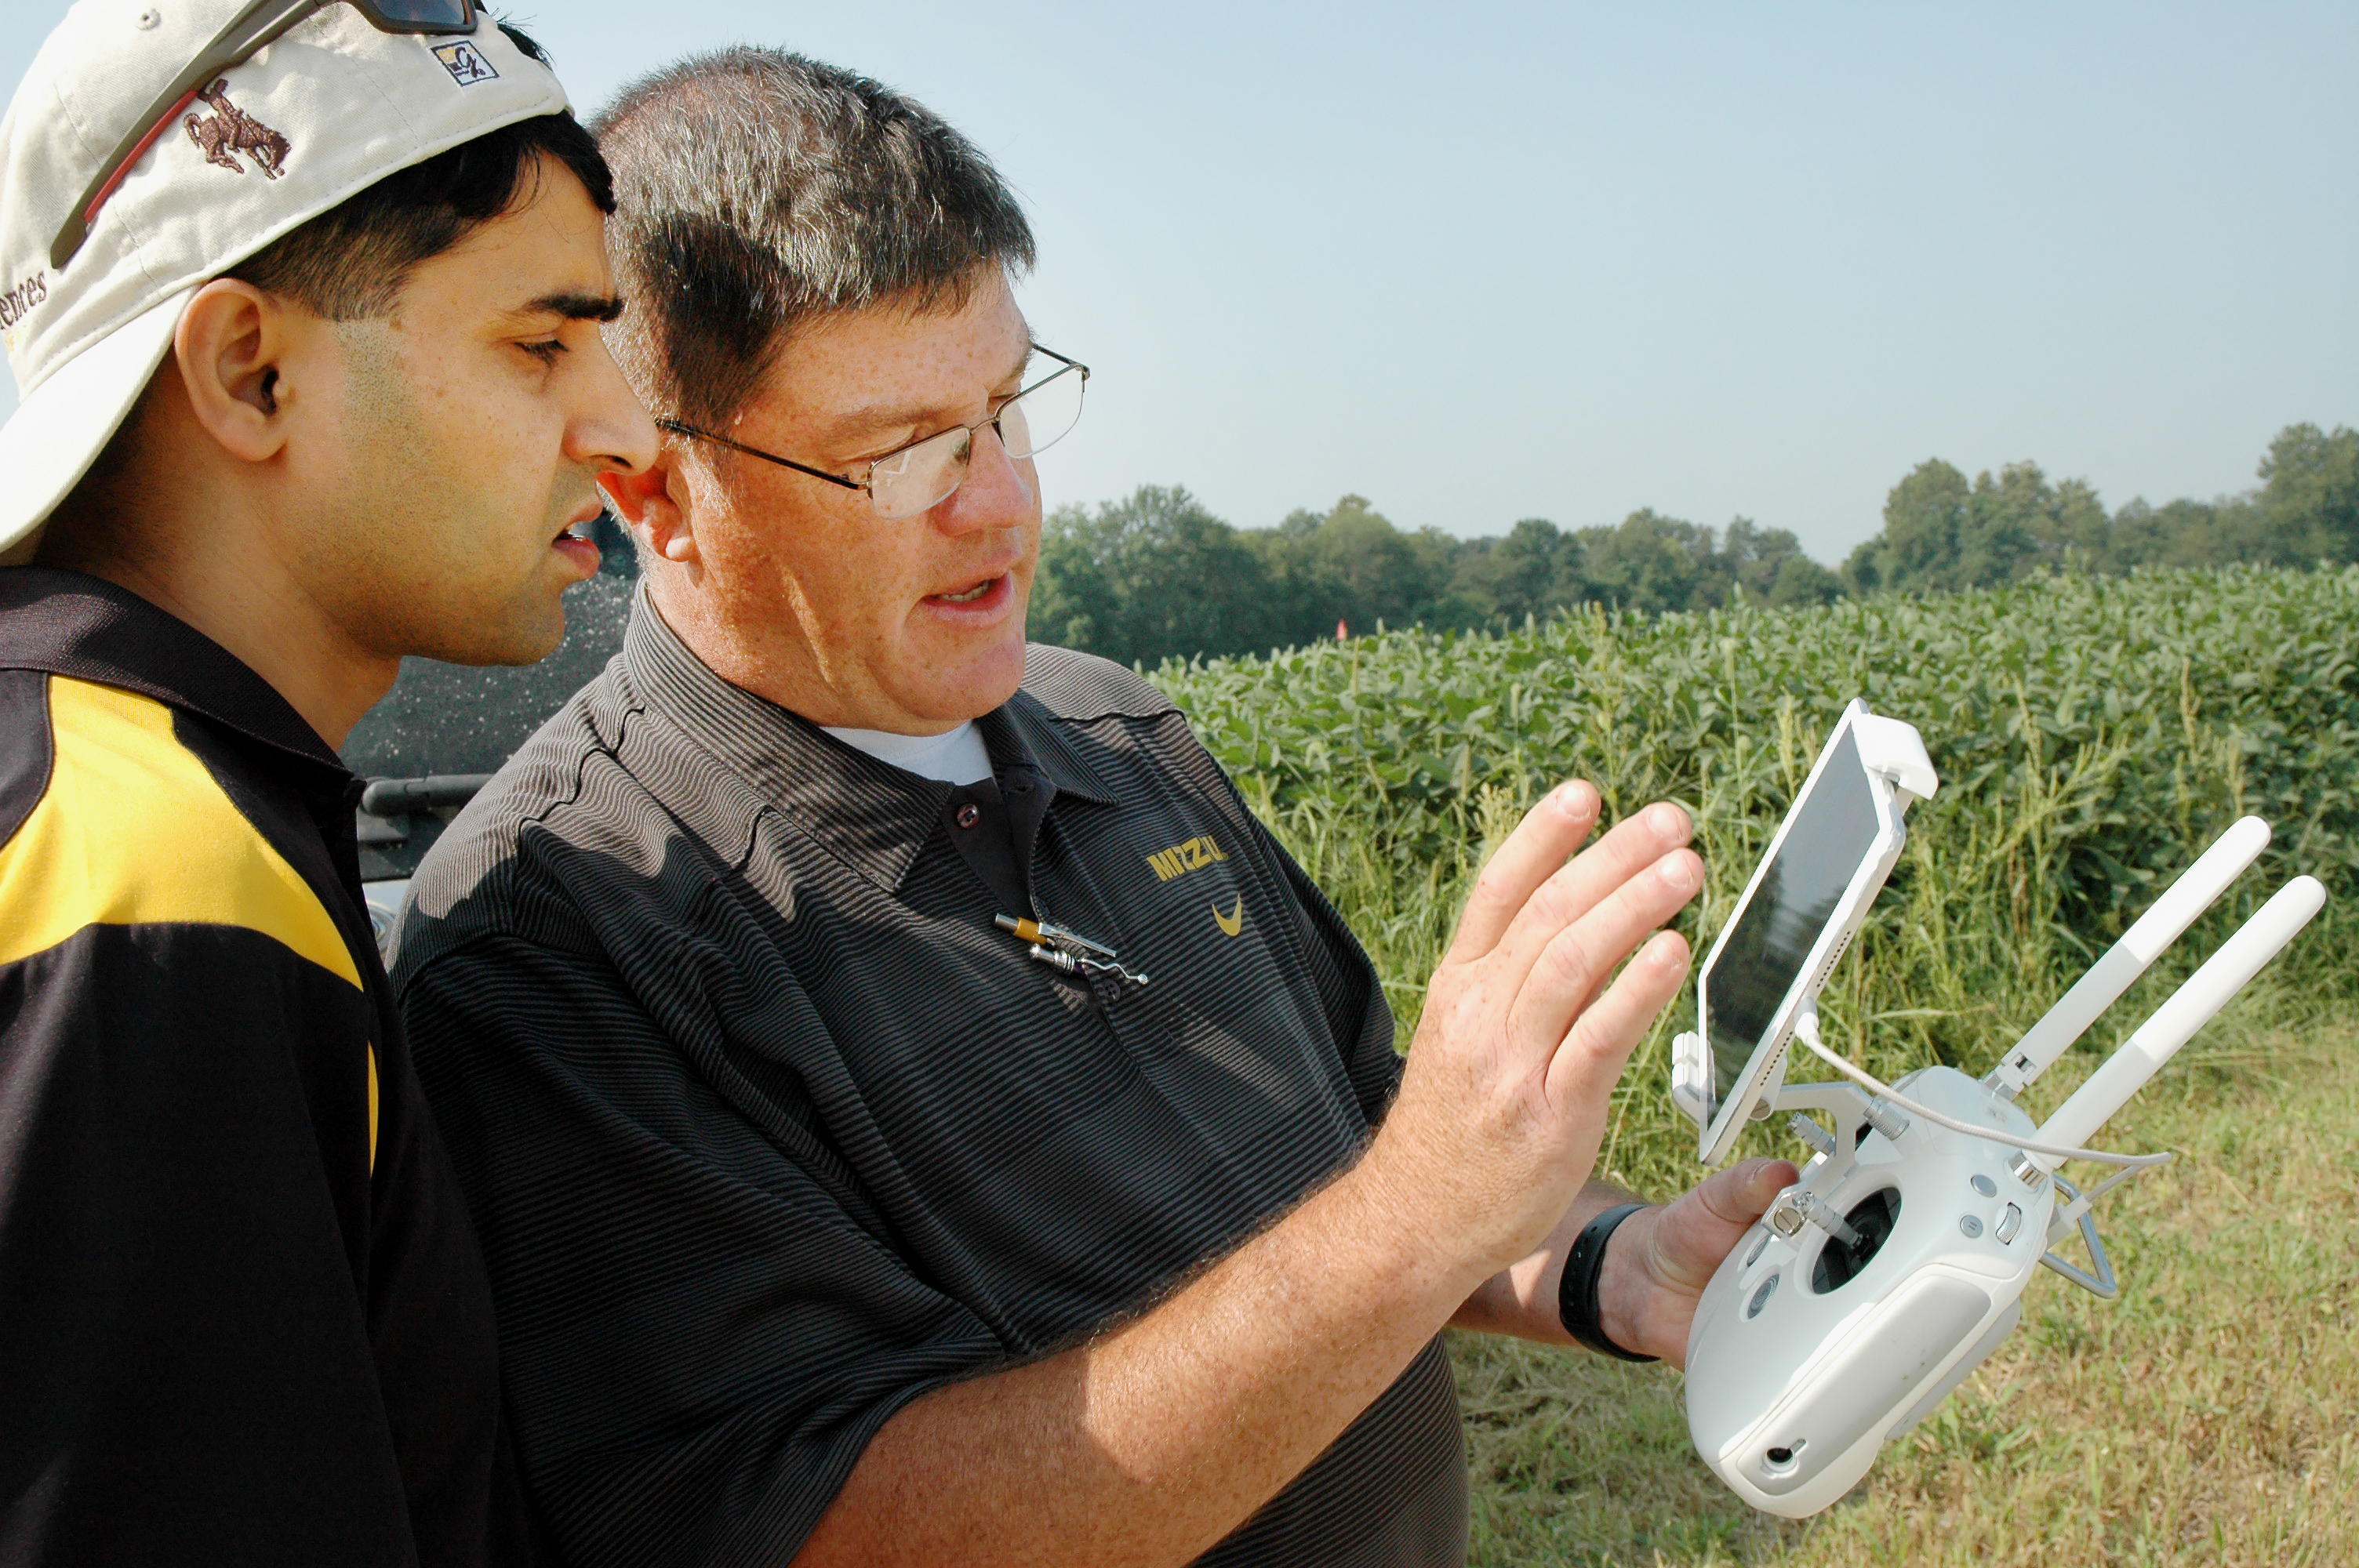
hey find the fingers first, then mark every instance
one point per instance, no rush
(1625, 853)
(1578, 958)
(1584, 1069)
(1697, 1231)
(1743, 1193)
(1534, 851)
(1648, 1299)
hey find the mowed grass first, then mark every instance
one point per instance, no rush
(2210, 1415)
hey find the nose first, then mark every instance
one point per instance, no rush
(608, 428)
(999, 491)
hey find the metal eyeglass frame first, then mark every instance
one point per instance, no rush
(247, 34)
(866, 482)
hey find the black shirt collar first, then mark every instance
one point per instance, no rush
(74, 624)
(870, 814)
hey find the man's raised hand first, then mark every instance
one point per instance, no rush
(1502, 1107)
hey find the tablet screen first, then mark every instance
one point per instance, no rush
(1764, 954)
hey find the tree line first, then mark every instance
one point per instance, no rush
(1155, 574)
(1941, 532)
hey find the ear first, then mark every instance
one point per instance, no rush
(231, 346)
(655, 501)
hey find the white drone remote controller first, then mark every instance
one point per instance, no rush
(1881, 1278)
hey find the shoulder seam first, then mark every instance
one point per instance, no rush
(1074, 688)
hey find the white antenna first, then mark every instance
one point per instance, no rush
(2127, 959)
(2190, 1007)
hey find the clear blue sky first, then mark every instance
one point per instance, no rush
(1486, 262)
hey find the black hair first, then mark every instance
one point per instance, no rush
(757, 188)
(349, 263)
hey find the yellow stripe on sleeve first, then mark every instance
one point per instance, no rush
(135, 831)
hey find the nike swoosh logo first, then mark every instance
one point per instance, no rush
(1233, 922)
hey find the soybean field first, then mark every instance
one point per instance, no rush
(2093, 734)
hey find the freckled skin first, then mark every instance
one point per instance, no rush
(796, 590)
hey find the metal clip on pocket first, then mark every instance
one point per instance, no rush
(1069, 952)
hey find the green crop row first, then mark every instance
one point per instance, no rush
(2092, 735)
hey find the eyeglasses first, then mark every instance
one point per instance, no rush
(922, 475)
(245, 36)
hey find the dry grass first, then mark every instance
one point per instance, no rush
(2209, 1416)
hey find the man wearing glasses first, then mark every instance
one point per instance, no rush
(303, 301)
(915, 1113)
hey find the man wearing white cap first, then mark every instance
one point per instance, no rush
(302, 299)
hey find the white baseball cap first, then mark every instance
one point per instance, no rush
(91, 291)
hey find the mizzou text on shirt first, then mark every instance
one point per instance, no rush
(769, 1129)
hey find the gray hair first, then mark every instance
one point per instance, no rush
(755, 190)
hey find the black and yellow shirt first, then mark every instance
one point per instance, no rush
(768, 1127)
(243, 1318)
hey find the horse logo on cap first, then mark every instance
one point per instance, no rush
(232, 130)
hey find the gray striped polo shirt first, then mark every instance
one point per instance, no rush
(768, 1128)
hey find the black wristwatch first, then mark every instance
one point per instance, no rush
(1576, 1296)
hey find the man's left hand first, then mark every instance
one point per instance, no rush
(1658, 1260)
